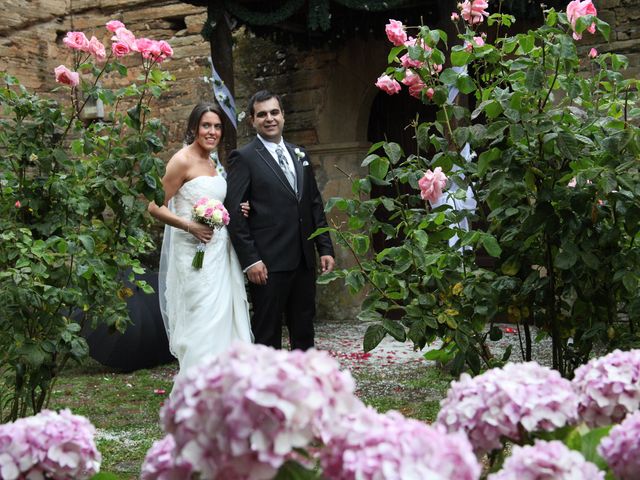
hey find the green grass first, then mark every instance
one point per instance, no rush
(125, 407)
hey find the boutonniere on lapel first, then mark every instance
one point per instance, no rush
(300, 155)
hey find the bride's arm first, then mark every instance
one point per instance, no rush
(174, 178)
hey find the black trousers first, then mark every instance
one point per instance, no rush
(289, 295)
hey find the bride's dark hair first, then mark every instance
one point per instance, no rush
(194, 120)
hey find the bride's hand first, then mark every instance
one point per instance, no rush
(246, 208)
(200, 231)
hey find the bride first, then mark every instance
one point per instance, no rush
(205, 310)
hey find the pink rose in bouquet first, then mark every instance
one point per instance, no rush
(210, 212)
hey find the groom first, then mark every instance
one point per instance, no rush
(273, 242)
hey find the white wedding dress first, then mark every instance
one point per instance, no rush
(205, 310)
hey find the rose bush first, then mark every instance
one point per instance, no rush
(518, 117)
(73, 211)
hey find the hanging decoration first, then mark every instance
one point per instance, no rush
(223, 96)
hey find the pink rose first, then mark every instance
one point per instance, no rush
(114, 25)
(96, 48)
(144, 46)
(414, 82)
(430, 93)
(572, 183)
(395, 32)
(76, 41)
(455, 17)
(577, 9)
(120, 49)
(208, 212)
(66, 76)
(431, 184)
(479, 41)
(165, 48)
(18, 204)
(593, 53)
(388, 84)
(473, 11)
(125, 36)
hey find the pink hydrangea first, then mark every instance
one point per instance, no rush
(502, 402)
(66, 76)
(577, 9)
(76, 41)
(160, 462)
(242, 414)
(431, 184)
(114, 25)
(608, 387)
(547, 460)
(368, 445)
(388, 84)
(58, 446)
(395, 32)
(473, 11)
(621, 448)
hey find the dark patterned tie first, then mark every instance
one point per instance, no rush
(284, 165)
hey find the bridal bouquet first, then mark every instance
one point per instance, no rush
(211, 212)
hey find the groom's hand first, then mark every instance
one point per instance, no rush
(258, 274)
(327, 263)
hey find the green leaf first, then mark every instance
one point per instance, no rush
(630, 282)
(379, 168)
(604, 28)
(329, 277)
(485, 159)
(460, 58)
(320, 231)
(292, 470)
(589, 445)
(105, 476)
(393, 151)
(360, 244)
(449, 76)
(465, 84)
(373, 336)
(565, 259)
(87, 242)
(395, 329)
(491, 245)
(526, 42)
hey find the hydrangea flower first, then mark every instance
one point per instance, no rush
(160, 462)
(368, 445)
(504, 401)
(241, 414)
(59, 446)
(621, 448)
(608, 387)
(546, 460)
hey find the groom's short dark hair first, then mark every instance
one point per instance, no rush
(263, 96)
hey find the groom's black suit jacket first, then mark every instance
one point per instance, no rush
(280, 222)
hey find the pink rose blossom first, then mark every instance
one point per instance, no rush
(18, 204)
(96, 48)
(621, 448)
(388, 84)
(547, 460)
(414, 82)
(455, 17)
(120, 49)
(114, 25)
(431, 184)
(66, 76)
(577, 9)
(165, 48)
(572, 183)
(593, 53)
(125, 36)
(473, 11)
(395, 32)
(76, 41)
(479, 41)
(429, 93)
